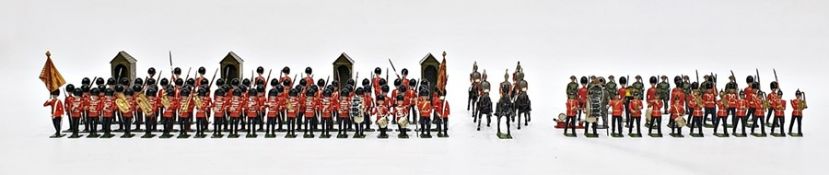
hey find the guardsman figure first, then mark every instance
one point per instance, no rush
(375, 81)
(442, 110)
(150, 117)
(722, 117)
(328, 106)
(663, 89)
(411, 98)
(272, 106)
(656, 116)
(73, 104)
(344, 105)
(779, 116)
(677, 96)
(798, 105)
(93, 107)
(260, 104)
(108, 112)
(185, 111)
(424, 106)
(128, 115)
(368, 104)
(772, 99)
(696, 105)
(202, 111)
(677, 110)
(85, 98)
(401, 113)
(709, 100)
(626, 96)
(56, 112)
(283, 98)
(382, 113)
(573, 106)
(635, 109)
(311, 106)
(234, 110)
(740, 115)
(251, 111)
(582, 97)
(357, 110)
(219, 109)
(292, 104)
(617, 106)
(287, 83)
(200, 77)
(759, 108)
(651, 97)
(404, 80)
(137, 90)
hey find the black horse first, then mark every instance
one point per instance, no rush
(506, 110)
(523, 108)
(484, 108)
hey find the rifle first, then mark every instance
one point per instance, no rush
(757, 74)
(697, 73)
(326, 82)
(212, 79)
(775, 78)
(392, 68)
(268, 79)
(188, 73)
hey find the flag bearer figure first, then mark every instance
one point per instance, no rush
(442, 110)
(56, 112)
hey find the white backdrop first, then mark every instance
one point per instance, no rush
(553, 39)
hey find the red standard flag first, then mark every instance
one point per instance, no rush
(442, 78)
(50, 75)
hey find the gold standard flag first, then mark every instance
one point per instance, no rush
(50, 75)
(442, 78)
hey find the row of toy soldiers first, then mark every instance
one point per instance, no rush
(513, 100)
(244, 103)
(698, 102)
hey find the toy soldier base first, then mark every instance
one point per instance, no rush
(383, 134)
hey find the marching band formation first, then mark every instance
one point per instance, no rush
(252, 105)
(701, 103)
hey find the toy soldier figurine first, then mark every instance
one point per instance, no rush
(382, 113)
(731, 97)
(73, 104)
(677, 96)
(504, 107)
(677, 111)
(327, 108)
(375, 81)
(635, 109)
(108, 112)
(582, 99)
(357, 110)
(401, 112)
(664, 89)
(722, 116)
(368, 104)
(128, 113)
(272, 107)
(93, 107)
(442, 111)
(343, 109)
(311, 106)
(424, 106)
(772, 99)
(595, 105)
(185, 112)
(203, 104)
(740, 115)
(617, 105)
(483, 91)
(626, 96)
(138, 90)
(696, 105)
(709, 98)
(759, 107)
(779, 116)
(219, 108)
(251, 111)
(411, 99)
(57, 111)
(235, 112)
(650, 98)
(150, 115)
(572, 87)
(656, 116)
(638, 87)
(474, 88)
(798, 105)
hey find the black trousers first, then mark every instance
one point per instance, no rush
(217, 125)
(292, 125)
(791, 125)
(717, 124)
(167, 122)
(74, 123)
(655, 123)
(126, 122)
(183, 124)
(251, 126)
(327, 124)
(741, 120)
(107, 125)
(444, 122)
(569, 123)
(149, 124)
(616, 123)
(635, 122)
(709, 111)
(271, 126)
(201, 125)
(92, 125)
(696, 122)
(343, 123)
(778, 121)
(675, 129)
(762, 124)
(426, 125)
(234, 129)
(56, 124)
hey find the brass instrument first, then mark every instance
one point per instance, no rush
(165, 101)
(122, 103)
(198, 101)
(186, 103)
(803, 105)
(144, 104)
(289, 105)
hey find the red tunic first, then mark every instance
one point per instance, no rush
(56, 107)
(219, 106)
(697, 110)
(204, 110)
(774, 99)
(582, 96)
(722, 112)
(252, 108)
(272, 107)
(677, 110)
(376, 85)
(185, 113)
(651, 93)
(635, 108)
(617, 106)
(678, 93)
(328, 106)
(381, 110)
(292, 107)
(732, 100)
(401, 111)
(709, 99)
(93, 107)
(441, 108)
(622, 92)
(344, 106)
(656, 108)
(424, 107)
(234, 109)
(780, 108)
(76, 109)
(758, 108)
(742, 108)
(170, 110)
(797, 104)
(310, 107)
(572, 106)
(109, 106)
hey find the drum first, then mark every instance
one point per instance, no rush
(592, 119)
(648, 114)
(562, 117)
(680, 122)
(403, 122)
(359, 119)
(383, 122)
